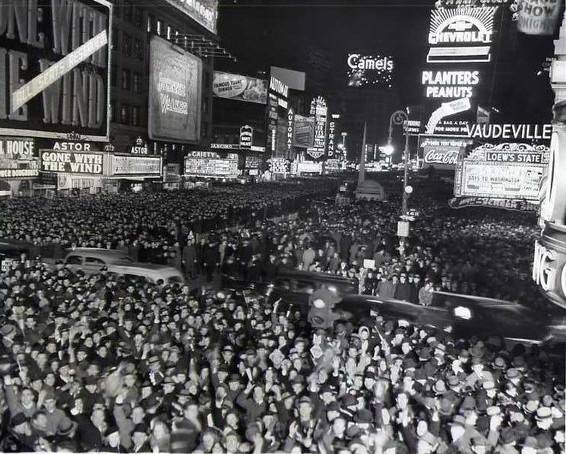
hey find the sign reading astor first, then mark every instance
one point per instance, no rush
(54, 65)
(71, 162)
(175, 93)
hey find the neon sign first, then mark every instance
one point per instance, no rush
(450, 84)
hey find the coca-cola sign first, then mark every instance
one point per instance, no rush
(442, 152)
(441, 157)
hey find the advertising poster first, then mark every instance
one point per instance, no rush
(538, 17)
(55, 72)
(505, 171)
(303, 136)
(319, 110)
(57, 161)
(369, 70)
(211, 164)
(239, 88)
(174, 93)
(135, 165)
(205, 12)
(442, 152)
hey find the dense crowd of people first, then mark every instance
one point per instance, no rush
(104, 363)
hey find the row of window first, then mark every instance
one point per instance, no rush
(129, 80)
(127, 44)
(126, 11)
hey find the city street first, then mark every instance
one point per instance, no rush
(263, 226)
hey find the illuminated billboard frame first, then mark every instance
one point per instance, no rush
(366, 70)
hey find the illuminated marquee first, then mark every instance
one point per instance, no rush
(461, 35)
(369, 70)
(450, 84)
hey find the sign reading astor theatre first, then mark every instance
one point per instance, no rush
(54, 67)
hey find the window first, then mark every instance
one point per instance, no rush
(138, 17)
(125, 79)
(128, 11)
(168, 32)
(115, 38)
(94, 261)
(136, 82)
(135, 116)
(74, 260)
(114, 75)
(126, 45)
(124, 114)
(138, 49)
(159, 27)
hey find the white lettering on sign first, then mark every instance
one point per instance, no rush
(71, 162)
(357, 61)
(462, 25)
(16, 148)
(510, 131)
(279, 87)
(441, 157)
(544, 269)
(71, 146)
(450, 84)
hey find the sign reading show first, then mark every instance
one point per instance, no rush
(54, 63)
(175, 93)
(239, 88)
(369, 70)
(59, 161)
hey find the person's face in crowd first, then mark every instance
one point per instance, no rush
(456, 431)
(129, 380)
(191, 411)
(50, 379)
(36, 385)
(298, 363)
(232, 443)
(159, 430)
(544, 424)
(352, 352)
(395, 279)
(358, 382)
(233, 386)
(97, 417)
(50, 405)
(96, 337)
(477, 368)
(27, 398)
(139, 438)
(369, 383)
(40, 421)
(559, 437)
(51, 347)
(291, 334)
(81, 356)
(339, 426)
(258, 394)
(471, 417)
(138, 415)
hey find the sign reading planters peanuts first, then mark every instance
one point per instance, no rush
(239, 88)
(174, 93)
(54, 68)
(442, 152)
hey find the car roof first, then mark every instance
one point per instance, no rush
(98, 252)
(313, 275)
(142, 266)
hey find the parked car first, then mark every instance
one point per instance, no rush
(148, 271)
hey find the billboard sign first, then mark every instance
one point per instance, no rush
(505, 171)
(442, 152)
(16, 148)
(365, 70)
(246, 137)
(55, 70)
(205, 12)
(319, 110)
(515, 132)
(126, 165)
(537, 17)
(239, 88)
(174, 93)
(209, 163)
(303, 136)
(505, 204)
(461, 35)
(60, 161)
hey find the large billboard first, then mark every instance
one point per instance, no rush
(239, 88)
(205, 12)
(175, 85)
(54, 71)
(442, 152)
(128, 165)
(58, 161)
(303, 134)
(319, 110)
(369, 70)
(209, 163)
(504, 171)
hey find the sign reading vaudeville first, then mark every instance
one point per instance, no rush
(54, 67)
(71, 162)
(174, 93)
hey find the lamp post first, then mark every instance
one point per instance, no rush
(399, 118)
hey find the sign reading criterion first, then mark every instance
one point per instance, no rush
(58, 50)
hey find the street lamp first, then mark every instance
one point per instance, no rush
(399, 118)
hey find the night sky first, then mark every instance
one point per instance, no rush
(315, 36)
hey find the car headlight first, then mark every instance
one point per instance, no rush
(463, 312)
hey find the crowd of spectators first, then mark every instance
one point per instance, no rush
(102, 363)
